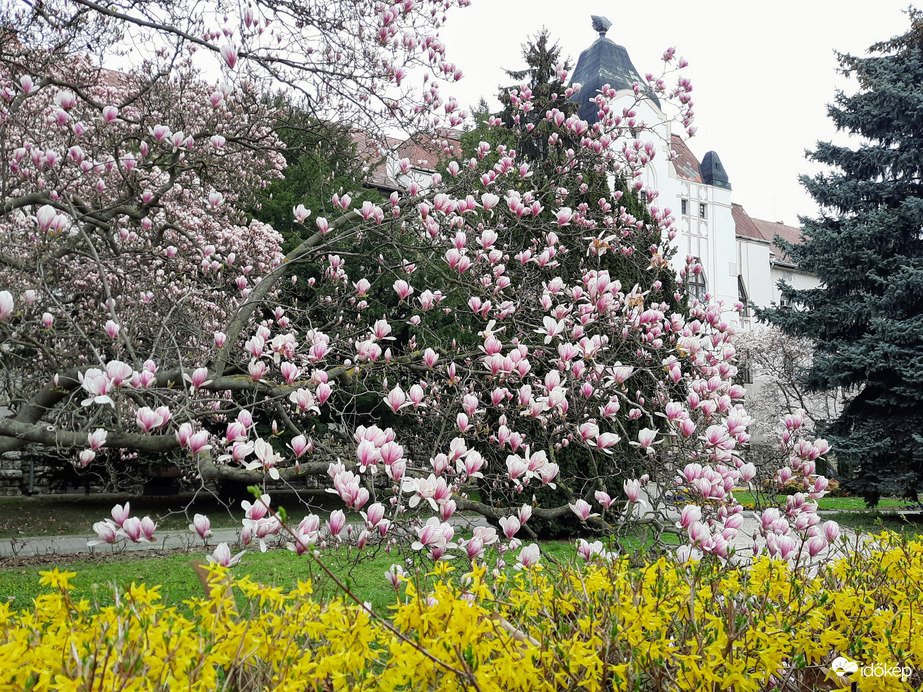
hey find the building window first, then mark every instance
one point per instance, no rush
(742, 296)
(684, 206)
(698, 287)
(703, 211)
(643, 197)
(743, 376)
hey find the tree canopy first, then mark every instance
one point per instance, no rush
(866, 247)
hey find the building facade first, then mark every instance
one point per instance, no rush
(739, 255)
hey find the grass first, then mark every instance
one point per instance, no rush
(875, 522)
(97, 577)
(746, 498)
(172, 570)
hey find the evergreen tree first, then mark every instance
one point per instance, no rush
(866, 247)
(543, 79)
(321, 159)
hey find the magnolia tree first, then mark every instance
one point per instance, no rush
(777, 362)
(468, 345)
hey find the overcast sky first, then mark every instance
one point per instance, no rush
(762, 73)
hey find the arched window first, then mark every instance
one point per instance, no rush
(743, 297)
(698, 286)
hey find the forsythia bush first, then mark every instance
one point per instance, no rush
(607, 625)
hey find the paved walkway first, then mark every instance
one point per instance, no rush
(74, 545)
(173, 540)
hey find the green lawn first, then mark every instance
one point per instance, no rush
(175, 575)
(874, 522)
(746, 498)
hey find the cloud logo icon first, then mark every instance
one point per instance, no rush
(843, 666)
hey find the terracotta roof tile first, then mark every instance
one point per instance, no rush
(771, 229)
(424, 150)
(686, 164)
(744, 226)
(373, 155)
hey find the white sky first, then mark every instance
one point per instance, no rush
(762, 73)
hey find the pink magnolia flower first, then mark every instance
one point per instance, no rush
(632, 489)
(97, 439)
(510, 526)
(403, 289)
(120, 513)
(447, 509)
(432, 535)
(106, 532)
(528, 556)
(785, 545)
(199, 442)
(222, 556)
(6, 304)
(300, 445)
(183, 433)
(45, 217)
(254, 511)
(148, 419)
(646, 437)
(564, 215)
(588, 551)
(524, 514)
(199, 378)
(323, 392)
(201, 525)
(304, 399)
(229, 55)
(395, 575)
(689, 516)
(301, 214)
(396, 399)
(816, 545)
(336, 523)
(97, 384)
(374, 515)
(86, 457)
(747, 472)
(147, 529)
(266, 458)
(118, 372)
(582, 509)
(131, 528)
(603, 499)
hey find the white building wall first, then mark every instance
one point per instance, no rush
(796, 278)
(754, 267)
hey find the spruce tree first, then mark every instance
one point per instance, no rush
(866, 247)
(542, 77)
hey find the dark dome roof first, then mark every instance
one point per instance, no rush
(713, 172)
(604, 62)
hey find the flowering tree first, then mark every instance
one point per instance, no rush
(472, 336)
(777, 362)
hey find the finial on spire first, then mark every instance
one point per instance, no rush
(600, 24)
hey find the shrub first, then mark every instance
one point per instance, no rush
(605, 625)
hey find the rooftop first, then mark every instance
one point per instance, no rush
(604, 62)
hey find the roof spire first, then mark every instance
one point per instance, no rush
(600, 24)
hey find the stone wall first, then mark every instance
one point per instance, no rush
(26, 473)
